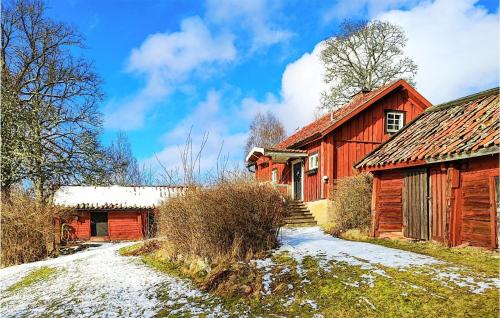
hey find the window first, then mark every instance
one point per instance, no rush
(394, 121)
(313, 161)
(274, 176)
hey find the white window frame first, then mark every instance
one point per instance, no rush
(394, 121)
(274, 176)
(313, 161)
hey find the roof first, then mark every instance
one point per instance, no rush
(463, 128)
(330, 121)
(114, 197)
(277, 154)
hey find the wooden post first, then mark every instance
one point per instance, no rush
(375, 190)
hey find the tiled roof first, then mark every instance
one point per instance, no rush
(314, 129)
(114, 197)
(462, 128)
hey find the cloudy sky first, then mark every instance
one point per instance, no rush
(172, 65)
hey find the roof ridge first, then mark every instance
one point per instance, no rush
(465, 99)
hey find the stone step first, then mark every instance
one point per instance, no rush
(305, 221)
(299, 215)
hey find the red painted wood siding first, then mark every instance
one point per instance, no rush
(389, 202)
(312, 181)
(364, 132)
(125, 225)
(476, 206)
(80, 228)
(439, 192)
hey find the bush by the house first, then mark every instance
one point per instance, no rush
(231, 220)
(27, 229)
(352, 204)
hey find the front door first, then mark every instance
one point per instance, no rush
(415, 205)
(99, 224)
(297, 181)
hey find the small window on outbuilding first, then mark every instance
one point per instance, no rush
(394, 121)
(274, 176)
(313, 161)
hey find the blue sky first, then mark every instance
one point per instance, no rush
(172, 65)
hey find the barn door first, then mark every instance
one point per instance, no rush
(415, 205)
(99, 224)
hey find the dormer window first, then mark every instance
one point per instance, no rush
(394, 121)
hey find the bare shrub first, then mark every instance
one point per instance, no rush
(352, 204)
(27, 229)
(230, 220)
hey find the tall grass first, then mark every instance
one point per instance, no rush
(27, 229)
(352, 204)
(230, 220)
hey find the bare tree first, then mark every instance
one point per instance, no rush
(363, 56)
(266, 130)
(124, 167)
(55, 92)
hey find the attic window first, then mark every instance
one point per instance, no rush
(394, 121)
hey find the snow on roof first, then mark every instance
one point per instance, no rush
(114, 197)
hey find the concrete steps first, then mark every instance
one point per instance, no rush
(299, 215)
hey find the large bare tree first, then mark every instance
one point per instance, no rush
(363, 56)
(266, 130)
(51, 116)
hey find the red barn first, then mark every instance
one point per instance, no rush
(111, 213)
(307, 163)
(437, 179)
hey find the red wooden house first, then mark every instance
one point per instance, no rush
(437, 178)
(307, 163)
(111, 213)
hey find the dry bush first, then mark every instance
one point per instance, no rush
(352, 204)
(27, 229)
(230, 220)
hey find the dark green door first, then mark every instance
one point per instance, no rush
(99, 224)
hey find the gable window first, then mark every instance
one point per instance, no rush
(394, 121)
(313, 161)
(274, 176)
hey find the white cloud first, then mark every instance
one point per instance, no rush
(207, 118)
(252, 16)
(454, 43)
(301, 87)
(167, 59)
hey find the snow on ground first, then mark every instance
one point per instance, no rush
(313, 241)
(99, 282)
(95, 282)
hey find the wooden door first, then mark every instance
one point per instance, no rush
(99, 224)
(415, 205)
(297, 181)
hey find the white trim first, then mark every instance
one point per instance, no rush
(254, 149)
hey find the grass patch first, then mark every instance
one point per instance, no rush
(35, 276)
(476, 258)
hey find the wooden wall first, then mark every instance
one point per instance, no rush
(125, 225)
(388, 202)
(363, 133)
(122, 225)
(312, 180)
(462, 202)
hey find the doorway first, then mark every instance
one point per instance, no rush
(416, 204)
(297, 181)
(99, 224)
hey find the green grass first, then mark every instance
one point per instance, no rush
(35, 276)
(339, 289)
(475, 258)
(124, 251)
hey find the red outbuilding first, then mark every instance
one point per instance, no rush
(111, 213)
(307, 163)
(438, 178)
